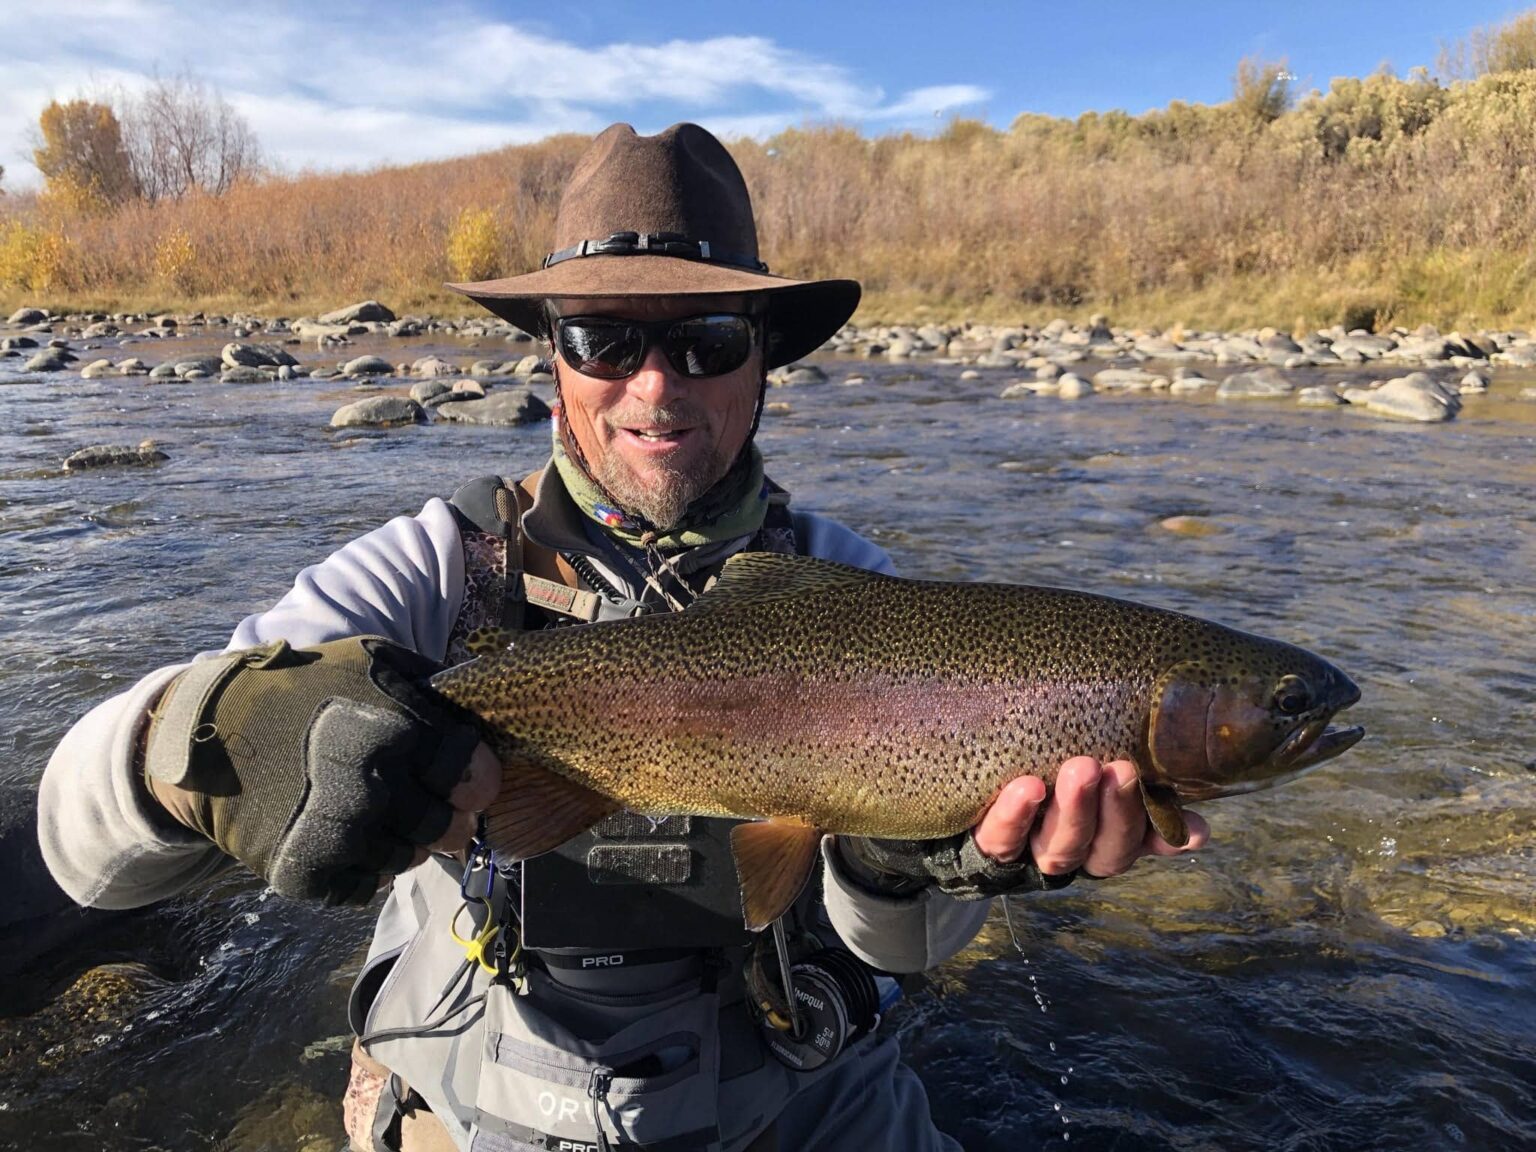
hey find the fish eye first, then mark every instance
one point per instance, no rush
(1292, 695)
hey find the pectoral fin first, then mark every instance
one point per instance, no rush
(774, 859)
(1164, 812)
(538, 810)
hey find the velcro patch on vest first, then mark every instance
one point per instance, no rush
(628, 825)
(640, 864)
(556, 597)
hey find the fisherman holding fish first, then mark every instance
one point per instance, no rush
(605, 993)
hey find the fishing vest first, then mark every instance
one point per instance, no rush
(631, 884)
(633, 1030)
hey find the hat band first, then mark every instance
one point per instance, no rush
(654, 244)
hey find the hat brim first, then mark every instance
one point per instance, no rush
(802, 314)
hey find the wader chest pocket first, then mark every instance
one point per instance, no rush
(653, 1083)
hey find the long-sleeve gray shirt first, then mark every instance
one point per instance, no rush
(109, 847)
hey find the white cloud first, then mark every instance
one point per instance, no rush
(347, 86)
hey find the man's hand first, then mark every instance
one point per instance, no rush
(1094, 822)
(324, 769)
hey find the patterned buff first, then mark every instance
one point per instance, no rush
(733, 507)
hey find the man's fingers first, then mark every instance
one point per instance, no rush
(1004, 831)
(480, 784)
(1120, 838)
(1061, 842)
(1199, 834)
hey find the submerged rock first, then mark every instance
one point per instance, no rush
(379, 411)
(115, 455)
(1260, 384)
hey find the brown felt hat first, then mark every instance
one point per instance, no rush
(666, 215)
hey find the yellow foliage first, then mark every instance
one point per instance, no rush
(474, 245)
(69, 195)
(176, 260)
(33, 259)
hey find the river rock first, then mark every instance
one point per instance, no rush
(1319, 396)
(468, 390)
(1237, 349)
(163, 372)
(430, 392)
(367, 366)
(114, 455)
(50, 360)
(506, 407)
(1260, 384)
(797, 376)
(25, 316)
(531, 365)
(1026, 389)
(255, 356)
(1184, 382)
(1417, 396)
(1127, 380)
(1475, 381)
(97, 369)
(245, 374)
(17, 342)
(1073, 387)
(379, 411)
(198, 367)
(429, 366)
(365, 312)
(132, 366)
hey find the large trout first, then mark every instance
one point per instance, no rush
(816, 698)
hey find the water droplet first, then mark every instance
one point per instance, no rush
(1063, 1079)
(1053, 1045)
(1058, 1105)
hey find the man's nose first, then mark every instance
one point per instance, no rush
(655, 380)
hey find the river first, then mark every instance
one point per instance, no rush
(1348, 965)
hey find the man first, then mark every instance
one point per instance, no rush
(603, 995)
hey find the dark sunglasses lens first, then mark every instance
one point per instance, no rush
(709, 345)
(606, 349)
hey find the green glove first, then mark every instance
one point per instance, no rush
(954, 863)
(318, 768)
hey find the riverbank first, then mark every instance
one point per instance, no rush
(1421, 375)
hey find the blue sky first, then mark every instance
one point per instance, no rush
(348, 84)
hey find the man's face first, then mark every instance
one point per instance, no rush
(658, 440)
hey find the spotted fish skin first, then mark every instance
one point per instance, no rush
(870, 705)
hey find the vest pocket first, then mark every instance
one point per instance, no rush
(653, 1082)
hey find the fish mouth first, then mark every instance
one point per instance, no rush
(1313, 743)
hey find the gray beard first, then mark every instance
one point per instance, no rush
(661, 504)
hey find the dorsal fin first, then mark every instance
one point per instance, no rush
(754, 577)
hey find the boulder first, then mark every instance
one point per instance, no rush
(797, 376)
(1475, 381)
(16, 342)
(1319, 396)
(429, 366)
(114, 455)
(1073, 387)
(362, 313)
(1417, 396)
(429, 392)
(50, 360)
(367, 366)
(506, 407)
(1127, 380)
(255, 356)
(379, 411)
(198, 367)
(23, 317)
(97, 369)
(244, 374)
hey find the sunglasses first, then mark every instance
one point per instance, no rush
(697, 346)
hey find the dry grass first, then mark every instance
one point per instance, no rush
(1395, 199)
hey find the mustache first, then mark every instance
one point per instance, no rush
(676, 415)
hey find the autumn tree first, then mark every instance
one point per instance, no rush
(1261, 90)
(185, 137)
(81, 154)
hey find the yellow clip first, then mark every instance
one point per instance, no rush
(475, 949)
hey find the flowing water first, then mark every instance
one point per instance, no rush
(1348, 965)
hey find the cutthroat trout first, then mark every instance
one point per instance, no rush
(816, 698)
